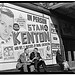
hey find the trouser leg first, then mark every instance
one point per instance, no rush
(61, 66)
(43, 65)
(21, 69)
(25, 69)
(35, 65)
(32, 68)
(38, 66)
(28, 67)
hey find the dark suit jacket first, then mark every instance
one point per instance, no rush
(32, 55)
(59, 58)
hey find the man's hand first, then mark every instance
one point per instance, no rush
(30, 61)
(35, 58)
(40, 59)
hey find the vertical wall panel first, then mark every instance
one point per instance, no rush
(69, 56)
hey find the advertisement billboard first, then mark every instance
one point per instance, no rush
(20, 28)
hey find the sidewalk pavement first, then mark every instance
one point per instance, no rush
(50, 69)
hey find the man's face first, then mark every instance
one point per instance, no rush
(26, 51)
(35, 50)
(5, 26)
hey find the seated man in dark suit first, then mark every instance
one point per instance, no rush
(37, 60)
(62, 62)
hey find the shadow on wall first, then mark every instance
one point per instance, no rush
(66, 34)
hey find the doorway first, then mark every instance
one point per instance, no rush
(69, 46)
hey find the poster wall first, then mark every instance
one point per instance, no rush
(55, 41)
(19, 29)
(8, 53)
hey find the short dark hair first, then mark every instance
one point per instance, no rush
(36, 48)
(26, 48)
(7, 12)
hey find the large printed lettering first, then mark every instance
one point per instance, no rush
(41, 36)
(36, 19)
(31, 37)
(40, 20)
(36, 37)
(46, 36)
(29, 17)
(33, 27)
(24, 38)
(16, 41)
